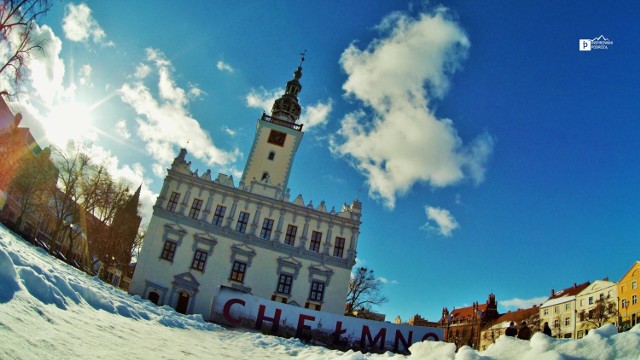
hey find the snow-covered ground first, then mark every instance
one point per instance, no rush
(49, 310)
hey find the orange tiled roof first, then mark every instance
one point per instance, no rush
(574, 290)
(467, 311)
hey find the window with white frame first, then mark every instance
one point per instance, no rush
(317, 291)
(218, 216)
(316, 238)
(168, 251)
(199, 259)
(634, 299)
(238, 270)
(267, 226)
(243, 220)
(173, 201)
(567, 321)
(195, 209)
(290, 236)
(284, 284)
(338, 247)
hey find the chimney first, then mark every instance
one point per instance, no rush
(575, 285)
(553, 293)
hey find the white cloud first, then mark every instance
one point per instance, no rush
(164, 122)
(440, 221)
(386, 281)
(85, 75)
(517, 303)
(46, 68)
(397, 77)
(316, 115)
(79, 26)
(263, 98)
(142, 71)
(122, 130)
(222, 66)
(229, 131)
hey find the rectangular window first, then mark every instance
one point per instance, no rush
(290, 237)
(317, 291)
(634, 299)
(316, 238)
(590, 300)
(582, 314)
(237, 272)
(267, 226)
(567, 321)
(555, 309)
(168, 251)
(567, 307)
(624, 304)
(173, 201)
(199, 259)
(546, 311)
(634, 285)
(338, 248)
(284, 284)
(219, 215)
(243, 220)
(195, 209)
(556, 323)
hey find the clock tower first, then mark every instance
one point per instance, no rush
(275, 144)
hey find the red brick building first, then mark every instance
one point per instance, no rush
(463, 326)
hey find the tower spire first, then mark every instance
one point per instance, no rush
(286, 107)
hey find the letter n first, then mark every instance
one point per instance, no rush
(400, 339)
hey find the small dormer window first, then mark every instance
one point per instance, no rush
(272, 155)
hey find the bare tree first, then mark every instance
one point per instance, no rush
(66, 194)
(17, 21)
(365, 291)
(604, 310)
(35, 175)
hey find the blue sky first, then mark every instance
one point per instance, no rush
(490, 154)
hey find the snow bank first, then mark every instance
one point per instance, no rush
(49, 310)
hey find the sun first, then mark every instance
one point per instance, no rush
(68, 121)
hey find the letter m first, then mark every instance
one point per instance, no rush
(366, 335)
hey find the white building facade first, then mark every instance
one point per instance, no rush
(600, 296)
(208, 233)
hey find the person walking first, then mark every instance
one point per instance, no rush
(524, 332)
(547, 329)
(511, 330)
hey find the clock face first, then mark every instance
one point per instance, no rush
(277, 138)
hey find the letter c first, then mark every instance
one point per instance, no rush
(226, 311)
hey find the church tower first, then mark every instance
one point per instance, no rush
(275, 144)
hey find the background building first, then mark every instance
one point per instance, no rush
(462, 326)
(209, 233)
(560, 311)
(494, 329)
(628, 297)
(596, 306)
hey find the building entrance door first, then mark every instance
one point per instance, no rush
(183, 302)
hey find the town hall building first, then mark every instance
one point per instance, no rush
(206, 234)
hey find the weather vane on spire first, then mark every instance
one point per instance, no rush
(302, 54)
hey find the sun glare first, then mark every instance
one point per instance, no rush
(68, 121)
